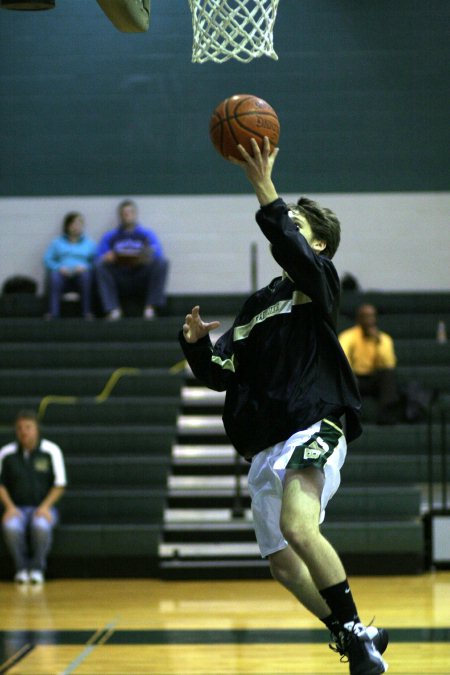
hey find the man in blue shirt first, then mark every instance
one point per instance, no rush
(130, 261)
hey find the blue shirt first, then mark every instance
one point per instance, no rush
(121, 240)
(63, 252)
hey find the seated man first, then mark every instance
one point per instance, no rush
(371, 355)
(130, 261)
(32, 479)
(68, 261)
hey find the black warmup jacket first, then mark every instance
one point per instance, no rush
(281, 363)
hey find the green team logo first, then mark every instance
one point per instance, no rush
(41, 464)
(315, 449)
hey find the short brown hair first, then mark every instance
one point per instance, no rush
(323, 222)
(124, 203)
(26, 414)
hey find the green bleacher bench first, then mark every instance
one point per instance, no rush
(114, 411)
(118, 471)
(396, 302)
(88, 382)
(88, 355)
(112, 506)
(77, 330)
(377, 537)
(409, 326)
(101, 440)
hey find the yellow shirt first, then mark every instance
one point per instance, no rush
(367, 354)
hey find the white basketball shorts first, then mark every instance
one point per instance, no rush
(323, 445)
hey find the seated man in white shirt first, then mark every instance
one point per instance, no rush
(32, 480)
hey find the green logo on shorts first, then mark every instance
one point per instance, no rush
(315, 449)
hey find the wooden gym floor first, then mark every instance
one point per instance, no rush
(127, 627)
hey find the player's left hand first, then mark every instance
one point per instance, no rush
(194, 328)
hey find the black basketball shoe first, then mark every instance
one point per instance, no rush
(362, 647)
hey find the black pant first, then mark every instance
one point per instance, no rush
(382, 386)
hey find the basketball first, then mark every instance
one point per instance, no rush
(238, 119)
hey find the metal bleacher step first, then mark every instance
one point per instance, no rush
(207, 459)
(208, 550)
(234, 531)
(173, 517)
(197, 454)
(204, 483)
(200, 425)
(194, 396)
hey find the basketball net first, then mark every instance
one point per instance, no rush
(232, 29)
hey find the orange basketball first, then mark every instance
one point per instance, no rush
(238, 119)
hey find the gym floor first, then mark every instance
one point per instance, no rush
(126, 627)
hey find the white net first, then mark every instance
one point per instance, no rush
(232, 29)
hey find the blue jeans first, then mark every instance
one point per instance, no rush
(29, 537)
(59, 284)
(148, 280)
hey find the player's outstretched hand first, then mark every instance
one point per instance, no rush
(194, 328)
(258, 169)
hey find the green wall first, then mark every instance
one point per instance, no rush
(361, 89)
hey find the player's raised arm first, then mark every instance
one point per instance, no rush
(258, 169)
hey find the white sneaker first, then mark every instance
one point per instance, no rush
(22, 577)
(114, 314)
(149, 313)
(36, 577)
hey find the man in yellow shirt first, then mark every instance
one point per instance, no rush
(371, 355)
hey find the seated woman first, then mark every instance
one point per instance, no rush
(68, 261)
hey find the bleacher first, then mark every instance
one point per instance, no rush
(108, 398)
(152, 477)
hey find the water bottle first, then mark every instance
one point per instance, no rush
(441, 333)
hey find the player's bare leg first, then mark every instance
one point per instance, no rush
(292, 573)
(300, 513)
(299, 524)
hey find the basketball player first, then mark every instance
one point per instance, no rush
(288, 386)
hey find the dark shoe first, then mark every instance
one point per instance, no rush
(362, 647)
(379, 637)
